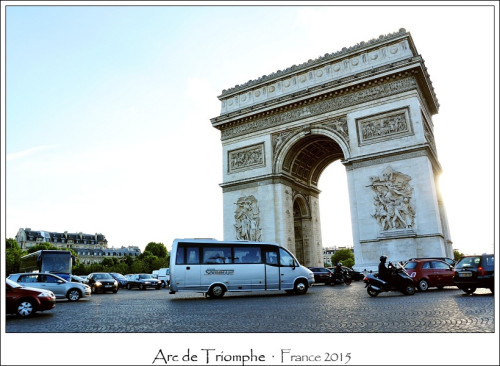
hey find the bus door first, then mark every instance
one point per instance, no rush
(187, 270)
(272, 268)
(288, 272)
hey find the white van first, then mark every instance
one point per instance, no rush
(164, 276)
(213, 267)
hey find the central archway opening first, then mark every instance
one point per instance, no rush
(309, 158)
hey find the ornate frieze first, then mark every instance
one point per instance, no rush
(384, 126)
(335, 102)
(247, 219)
(393, 207)
(249, 157)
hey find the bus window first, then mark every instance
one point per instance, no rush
(179, 258)
(286, 260)
(247, 255)
(193, 255)
(271, 256)
(216, 255)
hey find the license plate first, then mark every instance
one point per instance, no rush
(108, 286)
(465, 274)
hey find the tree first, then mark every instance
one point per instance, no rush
(457, 255)
(345, 256)
(157, 249)
(13, 256)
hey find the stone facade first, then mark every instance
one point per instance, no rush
(369, 106)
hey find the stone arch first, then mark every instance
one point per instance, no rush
(305, 155)
(369, 106)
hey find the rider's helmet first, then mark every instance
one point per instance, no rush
(339, 264)
(383, 258)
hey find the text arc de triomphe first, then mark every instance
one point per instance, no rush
(369, 106)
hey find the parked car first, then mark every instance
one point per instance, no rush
(102, 282)
(322, 275)
(164, 276)
(122, 280)
(61, 288)
(26, 301)
(355, 275)
(78, 279)
(143, 281)
(430, 273)
(475, 271)
(450, 261)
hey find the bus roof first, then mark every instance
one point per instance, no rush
(215, 241)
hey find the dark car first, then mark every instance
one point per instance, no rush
(322, 275)
(355, 275)
(25, 301)
(450, 261)
(475, 271)
(430, 273)
(143, 281)
(102, 282)
(122, 280)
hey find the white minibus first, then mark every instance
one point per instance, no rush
(213, 267)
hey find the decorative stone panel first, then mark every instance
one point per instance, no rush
(384, 126)
(249, 157)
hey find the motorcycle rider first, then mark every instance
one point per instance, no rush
(384, 273)
(337, 273)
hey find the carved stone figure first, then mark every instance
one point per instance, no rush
(247, 219)
(392, 202)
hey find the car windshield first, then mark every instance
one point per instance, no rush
(468, 262)
(103, 276)
(145, 276)
(118, 276)
(12, 283)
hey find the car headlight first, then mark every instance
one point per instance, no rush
(147, 282)
(98, 283)
(46, 294)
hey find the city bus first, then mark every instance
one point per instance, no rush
(58, 262)
(214, 267)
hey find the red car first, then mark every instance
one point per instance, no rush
(25, 301)
(430, 273)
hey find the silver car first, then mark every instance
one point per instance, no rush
(73, 291)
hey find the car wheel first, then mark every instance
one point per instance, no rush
(216, 291)
(409, 289)
(73, 295)
(115, 290)
(129, 286)
(423, 285)
(469, 290)
(372, 292)
(163, 284)
(93, 289)
(300, 287)
(25, 308)
(142, 287)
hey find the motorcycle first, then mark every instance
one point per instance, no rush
(399, 280)
(340, 278)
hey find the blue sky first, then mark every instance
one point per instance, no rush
(108, 111)
(107, 125)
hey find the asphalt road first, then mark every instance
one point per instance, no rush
(324, 309)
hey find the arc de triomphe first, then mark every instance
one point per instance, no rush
(370, 106)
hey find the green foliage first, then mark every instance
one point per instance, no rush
(42, 246)
(13, 256)
(157, 249)
(345, 256)
(457, 255)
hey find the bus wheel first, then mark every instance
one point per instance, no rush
(216, 291)
(300, 287)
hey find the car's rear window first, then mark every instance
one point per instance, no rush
(468, 262)
(488, 261)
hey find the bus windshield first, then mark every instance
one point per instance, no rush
(59, 262)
